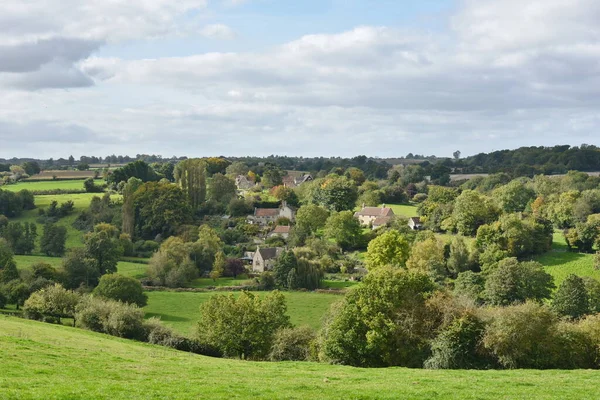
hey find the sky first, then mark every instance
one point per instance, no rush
(302, 78)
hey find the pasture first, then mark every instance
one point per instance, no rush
(60, 174)
(43, 361)
(404, 210)
(181, 309)
(81, 202)
(45, 185)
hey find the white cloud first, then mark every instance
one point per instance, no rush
(508, 73)
(218, 31)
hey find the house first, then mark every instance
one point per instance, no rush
(265, 258)
(265, 216)
(415, 223)
(243, 183)
(281, 231)
(294, 181)
(368, 215)
(380, 222)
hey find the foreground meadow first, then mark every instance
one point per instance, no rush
(41, 361)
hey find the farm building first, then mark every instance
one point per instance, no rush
(265, 258)
(415, 223)
(265, 216)
(368, 215)
(281, 231)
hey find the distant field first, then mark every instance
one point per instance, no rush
(46, 185)
(181, 309)
(405, 210)
(43, 361)
(50, 174)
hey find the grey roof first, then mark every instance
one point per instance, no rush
(268, 253)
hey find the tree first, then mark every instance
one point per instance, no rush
(285, 263)
(592, 287)
(53, 240)
(344, 229)
(427, 257)
(356, 175)
(382, 322)
(159, 208)
(91, 187)
(206, 248)
(459, 259)
(456, 155)
(471, 210)
(571, 299)
(31, 168)
(20, 237)
(242, 327)
(391, 248)
(222, 189)
(335, 193)
(311, 218)
(237, 168)
(272, 176)
(172, 266)
(190, 175)
(234, 267)
(513, 282)
(470, 285)
(79, 270)
(128, 208)
(8, 266)
(137, 169)
(121, 288)
(103, 248)
(514, 196)
(218, 266)
(284, 193)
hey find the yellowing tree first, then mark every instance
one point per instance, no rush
(428, 257)
(391, 248)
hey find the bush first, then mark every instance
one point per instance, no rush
(266, 281)
(571, 298)
(292, 344)
(121, 288)
(52, 302)
(521, 336)
(111, 317)
(157, 333)
(458, 346)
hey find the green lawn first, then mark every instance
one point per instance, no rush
(207, 282)
(560, 263)
(81, 202)
(43, 361)
(134, 270)
(405, 210)
(181, 309)
(46, 185)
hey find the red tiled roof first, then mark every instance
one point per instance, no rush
(380, 221)
(281, 229)
(376, 212)
(266, 212)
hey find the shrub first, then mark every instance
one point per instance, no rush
(53, 301)
(292, 344)
(121, 288)
(521, 336)
(242, 327)
(459, 346)
(470, 285)
(111, 317)
(571, 298)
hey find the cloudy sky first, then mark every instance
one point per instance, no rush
(311, 77)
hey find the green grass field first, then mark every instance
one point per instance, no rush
(560, 263)
(181, 309)
(81, 202)
(42, 361)
(46, 185)
(134, 270)
(405, 210)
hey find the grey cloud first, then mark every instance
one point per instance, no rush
(27, 57)
(13, 134)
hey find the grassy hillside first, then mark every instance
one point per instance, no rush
(135, 270)
(41, 361)
(81, 202)
(181, 310)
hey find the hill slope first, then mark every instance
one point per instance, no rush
(49, 361)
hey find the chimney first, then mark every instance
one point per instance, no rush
(284, 204)
(383, 206)
(363, 206)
